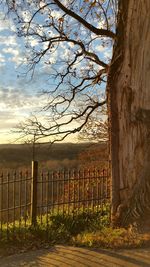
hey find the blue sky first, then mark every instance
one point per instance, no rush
(19, 94)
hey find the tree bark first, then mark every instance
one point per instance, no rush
(129, 112)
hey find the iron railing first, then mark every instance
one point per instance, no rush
(25, 197)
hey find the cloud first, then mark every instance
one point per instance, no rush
(10, 98)
(4, 24)
(33, 42)
(8, 40)
(16, 105)
(100, 48)
(18, 99)
(2, 59)
(11, 50)
(26, 15)
(101, 24)
(56, 13)
(108, 54)
(15, 55)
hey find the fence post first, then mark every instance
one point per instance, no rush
(34, 193)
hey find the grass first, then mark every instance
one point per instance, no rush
(57, 225)
(54, 229)
(83, 228)
(109, 237)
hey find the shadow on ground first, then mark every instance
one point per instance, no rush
(64, 256)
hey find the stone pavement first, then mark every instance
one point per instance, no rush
(64, 256)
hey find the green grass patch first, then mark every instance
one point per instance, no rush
(80, 228)
(109, 237)
(56, 227)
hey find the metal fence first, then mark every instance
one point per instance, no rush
(28, 197)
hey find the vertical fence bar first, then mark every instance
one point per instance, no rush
(34, 193)
(78, 176)
(41, 206)
(58, 182)
(52, 192)
(14, 200)
(46, 196)
(63, 191)
(96, 191)
(88, 188)
(83, 189)
(8, 180)
(68, 192)
(99, 190)
(1, 208)
(25, 201)
(92, 189)
(73, 189)
(20, 199)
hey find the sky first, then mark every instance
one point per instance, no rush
(19, 94)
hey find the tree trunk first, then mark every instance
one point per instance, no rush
(129, 106)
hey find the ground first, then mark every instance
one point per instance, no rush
(74, 256)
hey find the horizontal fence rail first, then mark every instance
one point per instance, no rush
(28, 198)
(15, 200)
(71, 190)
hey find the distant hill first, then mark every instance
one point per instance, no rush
(15, 155)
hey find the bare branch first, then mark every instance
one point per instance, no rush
(75, 78)
(89, 26)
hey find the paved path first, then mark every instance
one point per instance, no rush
(64, 256)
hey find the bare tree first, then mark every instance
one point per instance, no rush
(28, 133)
(79, 26)
(67, 34)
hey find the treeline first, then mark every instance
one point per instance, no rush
(56, 156)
